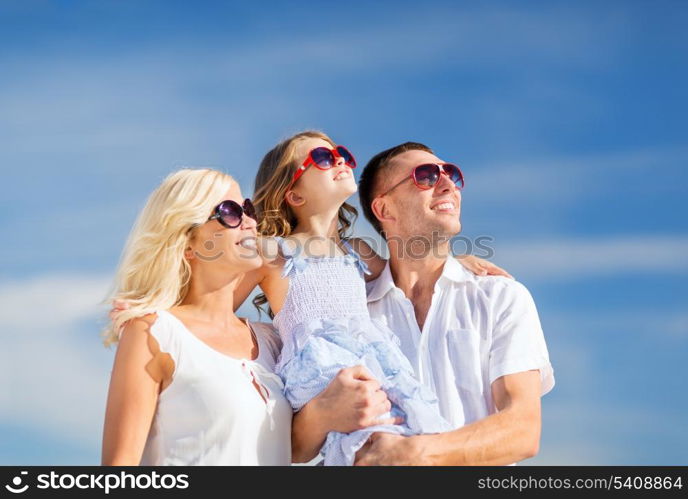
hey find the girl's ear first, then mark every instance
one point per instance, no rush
(294, 198)
(382, 210)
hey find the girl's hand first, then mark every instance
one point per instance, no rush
(480, 266)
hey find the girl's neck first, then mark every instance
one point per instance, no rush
(321, 225)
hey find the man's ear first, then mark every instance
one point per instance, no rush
(381, 210)
(294, 198)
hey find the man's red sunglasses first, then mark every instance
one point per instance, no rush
(427, 175)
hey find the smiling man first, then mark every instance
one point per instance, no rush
(476, 341)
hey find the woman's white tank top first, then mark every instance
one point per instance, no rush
(211, 413)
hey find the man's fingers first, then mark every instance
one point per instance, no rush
(114, 312)
(373, 437)
(118, 306)
(390, 421)
(360, 459)
(493, 269)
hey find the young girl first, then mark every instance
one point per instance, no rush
(316, 290)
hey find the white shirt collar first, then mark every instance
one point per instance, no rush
(452, 271)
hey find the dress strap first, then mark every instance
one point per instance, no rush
(362, 266)
(292, 257)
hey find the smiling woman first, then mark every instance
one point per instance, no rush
(182, 350)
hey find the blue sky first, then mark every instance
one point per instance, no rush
(567, 119)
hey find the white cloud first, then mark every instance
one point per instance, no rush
(567, 179)
(54, 369)
(580, 258)
(585, 420)
(580, 432)
(89, 88)
(669, 326)
(567, 436)
(54, 301)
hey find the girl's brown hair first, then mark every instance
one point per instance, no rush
(275, 216)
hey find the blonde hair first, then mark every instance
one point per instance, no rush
(276, 171)
(153, 273)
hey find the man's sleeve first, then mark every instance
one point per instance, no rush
(518, 343)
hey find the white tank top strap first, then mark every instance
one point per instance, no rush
(166, 332)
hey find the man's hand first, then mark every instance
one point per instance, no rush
(387, 449)
(480, 266)
(118, 306)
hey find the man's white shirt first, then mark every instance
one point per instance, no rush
(477, 329)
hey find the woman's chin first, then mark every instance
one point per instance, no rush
(242, 259)
(250, 261)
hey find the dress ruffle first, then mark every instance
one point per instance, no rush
(323, 347)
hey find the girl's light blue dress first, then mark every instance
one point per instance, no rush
(325, 326)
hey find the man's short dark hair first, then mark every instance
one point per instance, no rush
(369, 184)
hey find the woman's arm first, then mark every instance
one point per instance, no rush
(352, 401)
(139, 370)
